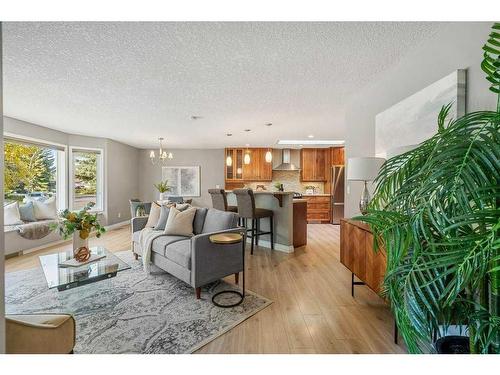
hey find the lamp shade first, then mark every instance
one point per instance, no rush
(363, 169)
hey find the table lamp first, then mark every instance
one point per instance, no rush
(363, 169)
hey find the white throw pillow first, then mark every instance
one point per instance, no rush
(11, 215)
(180, 223)
(46, 209)
(154, 215)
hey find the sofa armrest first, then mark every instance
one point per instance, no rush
(138, 223)
(210, 261)
(40, 333)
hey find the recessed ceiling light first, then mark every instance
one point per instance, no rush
(248, 130)
(302, 142)
(229, 134)
(269, 124)
(310, 136)
(194, 117)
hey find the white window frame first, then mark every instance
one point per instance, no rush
(61, 164)
(99, 207)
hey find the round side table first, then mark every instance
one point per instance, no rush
(229, 239)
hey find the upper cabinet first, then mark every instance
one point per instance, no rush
(257, 170)
(314, 164)
(337, 155)
(233, 163)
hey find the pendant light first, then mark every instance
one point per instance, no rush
(269, 156)
(246, 158)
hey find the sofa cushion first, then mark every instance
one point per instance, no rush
(199, 220)
(160, 243)
(180, 252)
(216, 221)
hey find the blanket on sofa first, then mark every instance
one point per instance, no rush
(146, 238)
(35, 230)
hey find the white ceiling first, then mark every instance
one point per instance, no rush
(134, 82)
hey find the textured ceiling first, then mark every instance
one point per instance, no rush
(134, 82)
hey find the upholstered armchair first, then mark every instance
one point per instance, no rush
(40, 334)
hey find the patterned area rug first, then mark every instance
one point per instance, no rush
(132, 312)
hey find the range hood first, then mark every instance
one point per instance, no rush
(286, 164)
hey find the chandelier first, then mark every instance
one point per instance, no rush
(163, 155)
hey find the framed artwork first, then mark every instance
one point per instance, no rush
(184, 181)
(414, 119)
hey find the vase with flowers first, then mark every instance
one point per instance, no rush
(163, 188)
(79, 225)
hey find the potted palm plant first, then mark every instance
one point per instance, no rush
(436, 212)
(162, 188)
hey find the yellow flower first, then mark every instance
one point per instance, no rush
(84, 234)
(71, 217)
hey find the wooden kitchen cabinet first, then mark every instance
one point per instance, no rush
(258, 169)
(314, 164)
(234, 172)
(318, 208)
(358, 255)
(337, 156)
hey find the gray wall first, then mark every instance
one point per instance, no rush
(2, 257)
(212, 172)
(120, 164)
(456, 46)
(122, 177)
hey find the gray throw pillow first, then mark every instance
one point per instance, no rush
(162, 221)
(27, 211)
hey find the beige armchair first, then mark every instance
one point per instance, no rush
(40, 334)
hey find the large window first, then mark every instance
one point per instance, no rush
(33, 170)
(87, 181)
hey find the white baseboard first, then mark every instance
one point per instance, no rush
(277, 246)
(117, 225)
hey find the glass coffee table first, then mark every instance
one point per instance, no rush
(64, 278)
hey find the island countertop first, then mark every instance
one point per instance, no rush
(281, 203)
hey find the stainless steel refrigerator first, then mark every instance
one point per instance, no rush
(337, 193)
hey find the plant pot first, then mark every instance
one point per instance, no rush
(453, 345)
(79, 242)
(163, 196)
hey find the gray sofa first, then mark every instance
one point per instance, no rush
(195, 260)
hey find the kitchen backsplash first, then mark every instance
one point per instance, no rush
(291, 182)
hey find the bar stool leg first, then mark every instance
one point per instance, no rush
(252, 237)
(271, 229)
(257, 231)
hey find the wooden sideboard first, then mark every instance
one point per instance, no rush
(357, 253)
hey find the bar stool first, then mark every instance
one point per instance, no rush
(247, 210)
(219, 200)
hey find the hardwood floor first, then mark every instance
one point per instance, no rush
(313, 311)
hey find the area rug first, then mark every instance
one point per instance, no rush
(132, 312)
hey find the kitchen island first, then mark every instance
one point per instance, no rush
(282, 205)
